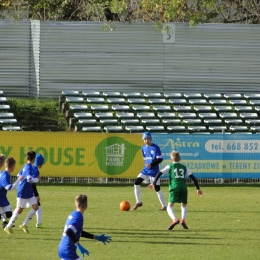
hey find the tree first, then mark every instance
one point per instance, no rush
(157, 11)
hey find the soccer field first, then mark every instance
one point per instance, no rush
(223, 224)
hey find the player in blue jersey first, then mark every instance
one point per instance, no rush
(2, 162)
(6, 185)
(38, 163)
(25, 195)
(152, 158)
(73, 230)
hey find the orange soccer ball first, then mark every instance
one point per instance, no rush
(124, 205)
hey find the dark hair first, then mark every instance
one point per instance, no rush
(10, 162)
(81, 201)
(31, 155)
(2, 158)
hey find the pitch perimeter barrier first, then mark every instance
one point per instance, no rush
(119, 155)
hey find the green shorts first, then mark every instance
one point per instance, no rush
(178, 195)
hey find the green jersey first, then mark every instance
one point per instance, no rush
(177, 175)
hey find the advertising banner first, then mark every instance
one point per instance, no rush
(119, 155)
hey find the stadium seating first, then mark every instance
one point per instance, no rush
(160, 112)
(8, 122)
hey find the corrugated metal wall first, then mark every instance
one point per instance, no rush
(44, 58)
(213, 58)
(80, 56)
(15, 58)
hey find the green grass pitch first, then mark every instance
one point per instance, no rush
(223, 224)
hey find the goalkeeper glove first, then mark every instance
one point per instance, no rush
(103, 238)
(82, 250)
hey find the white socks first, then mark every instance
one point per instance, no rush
(29, 216)
(161, 198)
(39, 215)
(13, 219)
(137, 191)
(183, 212)
(171, 212)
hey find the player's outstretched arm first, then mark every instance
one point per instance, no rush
(103, 238)
(199, 192)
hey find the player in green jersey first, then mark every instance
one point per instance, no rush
(177, 188)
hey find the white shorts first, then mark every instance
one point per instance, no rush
(76, 259)
(148, 179)
(25, 203)
(5, 209)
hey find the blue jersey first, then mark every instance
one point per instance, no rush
(67, 249)
(150, 154)
(5, 185)
(24, 189)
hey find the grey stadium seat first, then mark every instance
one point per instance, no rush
(155, 128)
(129, 121)
(136, 100)
(238, 128)
(172, 95)
(243, 133)
(125, 115)
(91, 94)
(255, 102)
(223, 108)
(116, 100)
(192, 95)
(162, 108)
(157, 101)
(132, 94)
(176, 128)
(182, 108)
(253, 121)
(178, 101)
(218, 101)
(257, 108)
(104, 115)
(121, 108)
(207, 115)
(8, 121)
(232, 96)
(166, 115)
(6, 115)
(192, 121)
(82, 115)
(248, 115)
(91, 129)
(187, 115)
(152, 95)
(108, 121)
(99, 107)
(171, 121)
(203, 108)
(255, 128)
(70, 93)
(228, 115)
(213, 96)
(112, 94)
(4, 107)
(78, 107)
(74, 100)
(145, 115)
(134, 128)
(212, 121)
(198, 101)
(95, 100)
(252, 96)
(141, 108)
(87, 121)
(3, 99)
(197, 128)
(233, 121)
(150, 121)
(243, 108)
(238, 102)
(11, 128)
(218, 128)
(113, 128)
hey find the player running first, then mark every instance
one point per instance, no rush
(25, 195)
(177, 187)
(73, 230)
(152, 158)
(6, 185)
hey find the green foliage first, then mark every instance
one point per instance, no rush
(38, 115)
(223, 224)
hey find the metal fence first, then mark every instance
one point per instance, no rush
(42, 58)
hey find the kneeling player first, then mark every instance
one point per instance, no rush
(73, 230)
(6, 185)
(177, 187)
